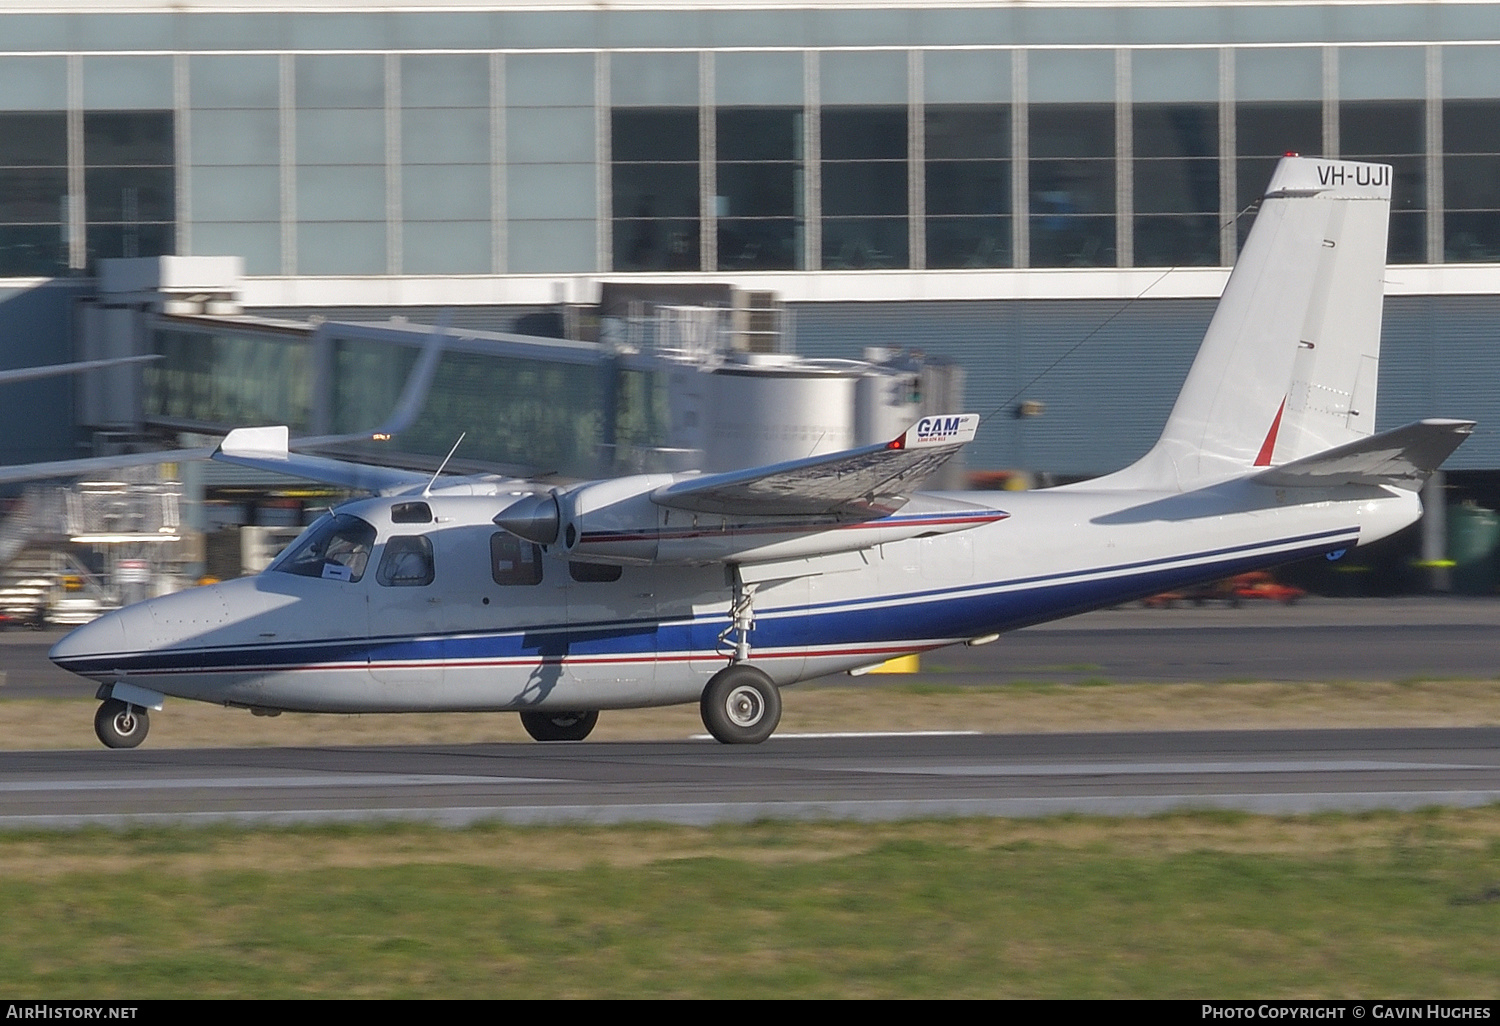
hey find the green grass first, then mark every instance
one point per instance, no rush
(1224, 905)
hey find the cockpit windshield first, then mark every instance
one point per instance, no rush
(336, 547)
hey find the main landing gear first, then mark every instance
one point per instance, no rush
(559, 726)
(120, 725)
(741, 704)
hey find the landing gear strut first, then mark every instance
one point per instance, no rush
(120, 725)
(741, 705)
(559, 726)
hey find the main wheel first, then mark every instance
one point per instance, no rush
(741, 705)
(559, 726)
(120, 725)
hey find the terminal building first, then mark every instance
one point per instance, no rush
(1046, 195)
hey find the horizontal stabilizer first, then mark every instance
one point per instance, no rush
(1403, 458)
(856, 484)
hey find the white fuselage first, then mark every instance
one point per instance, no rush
(464, 640)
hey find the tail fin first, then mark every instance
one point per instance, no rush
(1288, 366)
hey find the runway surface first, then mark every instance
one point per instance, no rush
(839, 777)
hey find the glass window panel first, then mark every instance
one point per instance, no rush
(1175, 76)
(110, 241)
(1408, 238)
(1071, 76)
(751, 133)
(341, 137)
(759, 190)
(316, 31)
(447, 80)
(654, 134)
(966, 76)
(340, 81)
(34, 140)
(1472, 236)
(760, 244)
(656, 244)
(33, 83)
(758, 79)
(236, 194)
(127, 83)
(138, 137)
(1072, 130)
(445, 247)
(864, 187)
(968, 187)
(1471, 126)
(656, 190)
(653, 79)
(969, 242)
(234, 81)
(548, 192)
(446, 192)
(32, 194)
(1472, 182)
(1059, 240)
(549, 80)
(1274, 74)
(258, 243)
(551, 247)
(1068, 187)
(549, 135)
(437, 136)
(1384, 72)
(968, 132)
(864, 133)
(445, 30)
(1382, 127)
(341, 247)
(1176, 130)
(210, 30)
(334, 193)
(857, 243)
(130, 193)
(1471, 72)
(30, 250)
(235, 137)
(225, 377)
(862, 77)
(1186, 186)
(1176, 240)
(675, 27)
(1263, 133)
(862, 26)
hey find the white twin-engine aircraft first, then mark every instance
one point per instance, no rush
(470, 594)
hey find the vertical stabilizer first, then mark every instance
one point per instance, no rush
(1288, 366)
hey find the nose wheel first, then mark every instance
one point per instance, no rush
(120, 725)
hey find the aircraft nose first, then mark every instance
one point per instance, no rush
(81, 647)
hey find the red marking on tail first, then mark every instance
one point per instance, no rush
(1263, 458)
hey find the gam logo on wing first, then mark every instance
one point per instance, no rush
(938, 429)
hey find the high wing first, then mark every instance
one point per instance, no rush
(268, 448)
(1403, 458)
(856, 484)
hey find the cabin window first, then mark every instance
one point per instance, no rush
(335, 548)
(406, 563)
(594, 573)
(411, 513)
(513, 561)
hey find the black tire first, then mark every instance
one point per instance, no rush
(121, 726)
(741, 705)
(559, 726)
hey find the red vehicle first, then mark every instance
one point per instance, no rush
(1259, 585)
